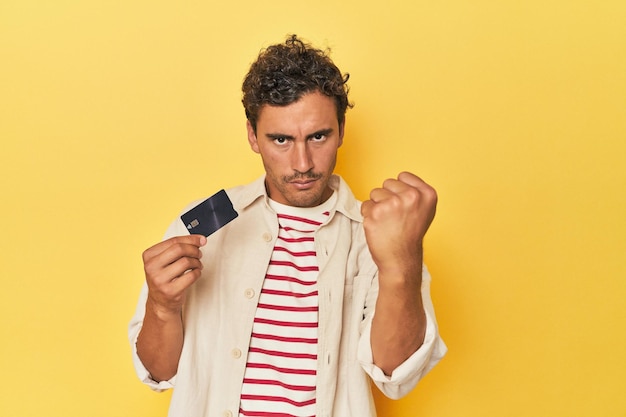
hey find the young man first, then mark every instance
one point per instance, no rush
(290, 309)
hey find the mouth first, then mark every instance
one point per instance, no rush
(303, 184)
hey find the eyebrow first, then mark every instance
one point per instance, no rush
(324, 132)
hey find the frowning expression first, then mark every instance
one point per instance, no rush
(298, 144)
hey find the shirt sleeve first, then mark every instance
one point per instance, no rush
(176, 228)
(406, 376)
(133, 332)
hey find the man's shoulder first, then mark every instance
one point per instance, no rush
(244, 195)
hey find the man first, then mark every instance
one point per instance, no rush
(292, 307)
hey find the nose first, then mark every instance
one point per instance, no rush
(301, 158)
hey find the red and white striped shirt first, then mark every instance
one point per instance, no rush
(280, 376)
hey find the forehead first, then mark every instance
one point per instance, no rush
(312, 109)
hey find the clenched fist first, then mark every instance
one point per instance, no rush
(396, 218)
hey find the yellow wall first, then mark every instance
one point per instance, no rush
(115, 114)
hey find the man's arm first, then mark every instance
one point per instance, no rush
(395, 220)
(171, 267)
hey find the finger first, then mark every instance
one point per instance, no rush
(182, 267)
(171, 291)
(159, 248)
(379, 194)
(427, 192)
(175, 253)
(175, 276)
(173, 261)
(412, 180)
(395, 186)
(366, 208)
(183, 281)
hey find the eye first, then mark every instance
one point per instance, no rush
(280, 140)
(319, 137)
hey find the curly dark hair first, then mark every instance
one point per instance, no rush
(283, 73)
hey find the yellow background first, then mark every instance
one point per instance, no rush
(115, 114)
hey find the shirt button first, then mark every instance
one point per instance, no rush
(227, 413)
(249, 293)
(236, 353)
(267, 237)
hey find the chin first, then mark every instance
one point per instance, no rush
(306, 200)
(315, 200)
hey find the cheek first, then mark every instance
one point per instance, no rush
(273, 162)
(327, 160)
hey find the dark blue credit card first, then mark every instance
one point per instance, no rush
(211, 215)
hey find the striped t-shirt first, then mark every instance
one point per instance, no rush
(280, 374)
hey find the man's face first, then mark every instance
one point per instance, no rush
(298, 144)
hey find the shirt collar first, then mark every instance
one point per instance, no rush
(347, 204)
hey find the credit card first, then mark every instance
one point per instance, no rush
(211, 215)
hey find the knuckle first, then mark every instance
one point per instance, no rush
(178, 250)
(431, 194)
(188, 263)
(396, 201)
(177, 239)
(388, 182)
(195, 273)
(412, 196)
(148, 270)
(373, 193)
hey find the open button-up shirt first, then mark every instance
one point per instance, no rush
(220, 308)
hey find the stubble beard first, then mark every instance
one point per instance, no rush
(303, 198)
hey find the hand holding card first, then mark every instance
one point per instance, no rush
(211, 215)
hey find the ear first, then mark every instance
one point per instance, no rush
(254, 144)
(342, 129)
